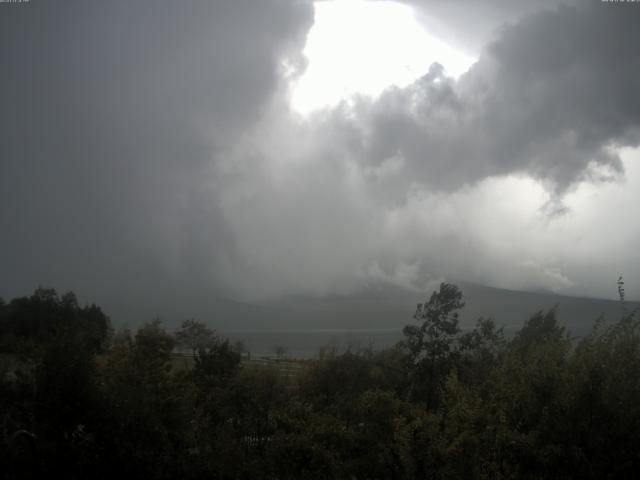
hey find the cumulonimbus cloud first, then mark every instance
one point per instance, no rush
(151, 162)
(538, 103)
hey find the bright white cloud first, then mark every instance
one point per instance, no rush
(363, 47)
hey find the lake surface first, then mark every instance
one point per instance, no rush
(307, 343)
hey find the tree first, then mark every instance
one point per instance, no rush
(480, 351)
(240, 347)
(29, 323)
(542, 327)
(431, 342)
(194, 336)
(144, 405)
(215, 365)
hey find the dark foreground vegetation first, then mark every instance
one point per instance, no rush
(80, 401)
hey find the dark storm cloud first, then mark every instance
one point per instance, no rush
(107, 113)
(150, 161)
(548, 97)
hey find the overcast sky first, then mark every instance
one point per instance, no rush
(158, 154)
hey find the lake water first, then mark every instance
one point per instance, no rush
(307, 343)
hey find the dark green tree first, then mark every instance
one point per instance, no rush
(193, 335)
(431, 343)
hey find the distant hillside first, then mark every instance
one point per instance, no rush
(388, 307)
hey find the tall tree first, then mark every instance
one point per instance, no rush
(430, 343)
(193, 335)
